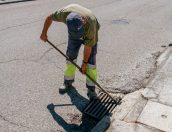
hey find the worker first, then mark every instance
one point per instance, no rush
(83, 29)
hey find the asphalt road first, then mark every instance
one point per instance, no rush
(132, 33)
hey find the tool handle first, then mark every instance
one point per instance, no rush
(81, 70)
(64, 55)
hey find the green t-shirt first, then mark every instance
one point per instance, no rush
(90, 28)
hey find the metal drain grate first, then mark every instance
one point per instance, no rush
(100, 107)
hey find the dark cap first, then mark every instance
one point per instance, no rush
(75, 25)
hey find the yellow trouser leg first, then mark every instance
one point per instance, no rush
(69, 73)
(92, 72)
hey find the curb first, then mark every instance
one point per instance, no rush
(17, 1)
(105, 122)
(160, 63)
(164, 56)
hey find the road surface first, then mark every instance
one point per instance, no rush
(130, 39)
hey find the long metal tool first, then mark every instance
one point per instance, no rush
(81, 71)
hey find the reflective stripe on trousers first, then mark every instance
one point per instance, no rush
(92, 72)
(72, 52)
(69, 74)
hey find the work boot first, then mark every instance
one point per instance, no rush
(64, 88)
(91, 94)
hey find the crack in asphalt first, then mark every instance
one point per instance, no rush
(23, 24)
(13, 60)
(12, 2)
(2, 62)
(36, 60)
(12, 123)
(55, 64)
(62, 70)
(44, 54)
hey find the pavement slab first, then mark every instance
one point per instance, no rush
(157, 115)
(133, 115)
(165, 95)
(161, 83)
(127, 105)
(122, 126)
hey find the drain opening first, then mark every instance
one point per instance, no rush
(102, 106)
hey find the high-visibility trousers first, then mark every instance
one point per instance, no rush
(72, 53)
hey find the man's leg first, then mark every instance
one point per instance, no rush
(69, 74)
(92, 72)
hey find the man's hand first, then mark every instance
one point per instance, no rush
(43, 37)
(84, 68)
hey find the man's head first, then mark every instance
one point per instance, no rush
(75, 25)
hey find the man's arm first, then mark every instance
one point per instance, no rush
(47, 24)
(86, 56)
(87, 53)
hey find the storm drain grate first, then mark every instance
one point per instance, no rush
(102, 106)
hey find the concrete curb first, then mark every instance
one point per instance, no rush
(129, 115)
(11, 2)
(163, 57)
(159, 63)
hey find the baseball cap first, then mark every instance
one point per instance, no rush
(75, 25)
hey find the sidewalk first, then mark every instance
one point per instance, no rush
(149, 109)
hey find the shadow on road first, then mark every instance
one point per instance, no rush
(80, 102)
